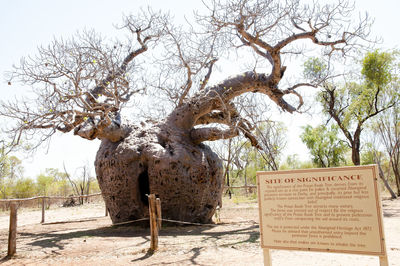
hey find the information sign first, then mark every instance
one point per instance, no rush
(328, 209)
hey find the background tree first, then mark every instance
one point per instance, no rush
(4, 172)
(270, 134)
(80, 184)
(245, 159)
(61, 184)
(52, 182)
(10, 170)
(388, 130)
(16, 169)
(272, 140)
(326, 148)
(82, 84)
(372, 155)
(353, 104)
(242, 161)
(293, 162)
(44, 184)
(230, 161)
(24, 188)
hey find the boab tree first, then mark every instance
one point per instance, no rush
(83, 83)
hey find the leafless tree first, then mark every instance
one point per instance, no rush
(82, 84)
(230, 151)
(377, 159)
(81, 184)
(270, 134)
(388, 129)
(238, 154)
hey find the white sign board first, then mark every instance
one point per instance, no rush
(328, 209)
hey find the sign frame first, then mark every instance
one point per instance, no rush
(261, 176)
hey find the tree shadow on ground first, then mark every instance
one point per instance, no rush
(6, 258)
(391, 213)
(148, 254)
(390, 210)
(250, 233)
(55, 239)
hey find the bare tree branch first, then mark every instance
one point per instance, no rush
(81, 84)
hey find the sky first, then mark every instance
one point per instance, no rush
(25, 25)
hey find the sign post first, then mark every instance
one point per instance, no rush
(324, 210)
(267, 257)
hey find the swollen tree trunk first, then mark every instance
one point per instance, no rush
(163, 160)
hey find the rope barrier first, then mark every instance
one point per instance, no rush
(181, 222)
(73, 221)
(165, 220)
(233, 187)
(133, 221)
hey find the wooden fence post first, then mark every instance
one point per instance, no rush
(158, 211)
(153, 223)
(12, 235)
(43, 208)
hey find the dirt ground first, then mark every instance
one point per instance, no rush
(84, 236)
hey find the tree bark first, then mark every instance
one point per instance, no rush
(385, 182)
(163, 160)
(394, 161)
(355, 147)
(396, 177)
(355, 154)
